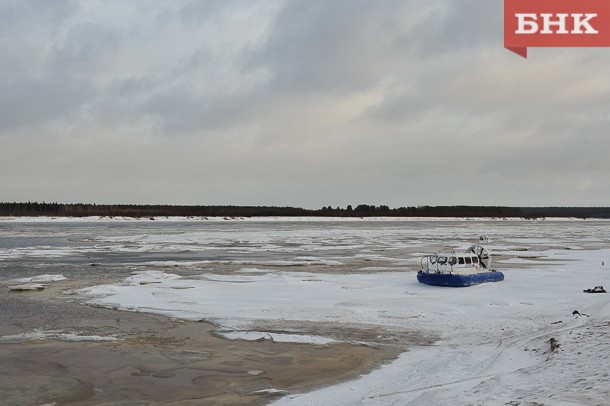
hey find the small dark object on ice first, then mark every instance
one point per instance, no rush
(554, 344)
(597, 289)
(577, 313)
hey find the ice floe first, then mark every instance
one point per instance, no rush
(40, 335)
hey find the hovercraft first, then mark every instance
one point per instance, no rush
(459, 270)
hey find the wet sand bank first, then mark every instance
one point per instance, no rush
(156, 360)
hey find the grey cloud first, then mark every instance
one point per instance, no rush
(24, 15)
(29, 103)
(87, 48)
(184, 112)
(302, 102)
(195, 12)
(330, 46)
(27, 30)
(458, 27)
(40, 83)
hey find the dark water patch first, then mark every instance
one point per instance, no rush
(186, 357)
(163, 374)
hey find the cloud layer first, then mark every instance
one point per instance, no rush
(300, 102)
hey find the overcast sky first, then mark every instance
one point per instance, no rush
(304, 103)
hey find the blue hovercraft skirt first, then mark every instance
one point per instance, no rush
(459, 281)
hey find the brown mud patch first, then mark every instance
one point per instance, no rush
(156, 360)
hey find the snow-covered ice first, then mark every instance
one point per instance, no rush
(250, 335)
(45, 278)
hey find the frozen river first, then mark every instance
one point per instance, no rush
(314, 280)
(27, 245)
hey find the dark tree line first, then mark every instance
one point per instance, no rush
(135, 210)
(362, 210)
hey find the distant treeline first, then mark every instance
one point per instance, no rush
(362, 210)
